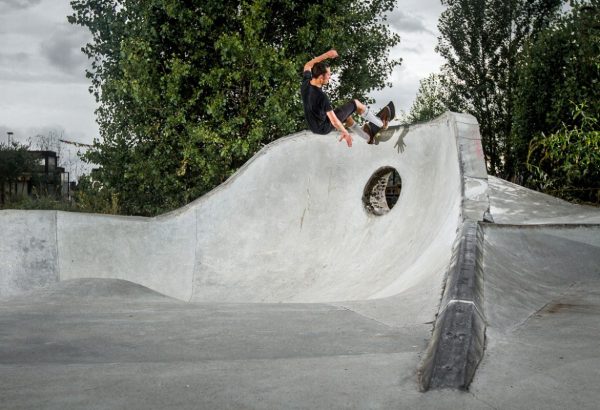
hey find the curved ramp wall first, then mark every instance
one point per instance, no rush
(290, 226)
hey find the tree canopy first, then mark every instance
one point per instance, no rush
(556, 134)
(481, 41)
(430, 100)
(189, 90)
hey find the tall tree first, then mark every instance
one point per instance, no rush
(557, 71)
(189, 90)
(556, 132)
(480, 40)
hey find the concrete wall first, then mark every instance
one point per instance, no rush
(28, 254)
(289, 226)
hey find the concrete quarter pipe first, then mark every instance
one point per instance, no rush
(282, 288)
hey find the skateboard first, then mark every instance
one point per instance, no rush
(386, 114)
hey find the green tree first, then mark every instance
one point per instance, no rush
(558, 88)
(430, 100)
(15, 161)
(480, 41)
(188, 91)
(567, 163)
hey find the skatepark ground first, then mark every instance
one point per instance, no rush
(279, 290)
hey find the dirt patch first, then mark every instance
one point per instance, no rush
(559, 307)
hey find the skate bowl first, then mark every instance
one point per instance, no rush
(295, 284)
(292, 225)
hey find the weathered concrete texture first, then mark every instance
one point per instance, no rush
(122, 347)
(472, 168)
(158, 253)
(542, 302)
(457, 344)
(513, 204)
(28, 252)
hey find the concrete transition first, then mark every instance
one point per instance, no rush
(296, 284)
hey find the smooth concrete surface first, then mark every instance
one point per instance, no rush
(542, 302)
(175, 314)
(291, 226)
(157, 253)
(514, 204)
(28, 254)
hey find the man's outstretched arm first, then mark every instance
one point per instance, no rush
(330, 54)
(340, 127)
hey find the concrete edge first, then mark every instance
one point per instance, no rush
(542, 225)
(458, 339)
(447, 116)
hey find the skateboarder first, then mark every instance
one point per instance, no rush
(320, 115)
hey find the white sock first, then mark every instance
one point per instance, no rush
(358, 131)
(369, 116)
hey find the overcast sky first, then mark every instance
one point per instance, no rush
(42, 70)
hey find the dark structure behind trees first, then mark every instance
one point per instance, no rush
(31, 173)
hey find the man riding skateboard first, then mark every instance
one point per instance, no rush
(320, 115)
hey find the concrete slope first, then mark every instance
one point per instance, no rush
(542, 304)
(290, 226)
(514, 204)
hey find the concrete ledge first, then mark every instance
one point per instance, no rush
(458, 339)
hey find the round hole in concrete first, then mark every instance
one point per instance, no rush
(382, 191)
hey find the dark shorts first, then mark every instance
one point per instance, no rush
(343, 112)
(346, 110)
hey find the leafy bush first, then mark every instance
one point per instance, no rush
(567, 162)
(559, 68)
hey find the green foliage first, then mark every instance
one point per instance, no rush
(561, 67)
(429, 102)
(480, 41)
(41, 202)
(91, 196)
(189, 91)
(567, 162)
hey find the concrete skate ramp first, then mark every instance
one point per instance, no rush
(290, 226)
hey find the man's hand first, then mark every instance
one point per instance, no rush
(347, 137)
(332, 54)
(339, 126)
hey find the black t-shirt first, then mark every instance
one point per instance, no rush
(316, 105)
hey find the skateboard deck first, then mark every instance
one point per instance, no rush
(387, 113)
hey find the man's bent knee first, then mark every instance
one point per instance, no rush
(360, 107)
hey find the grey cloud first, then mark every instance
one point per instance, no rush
(9, 5)
(7, 58)
(402, 96)
(415, 50)
(407, 22)
(63, 49)
(19, 76)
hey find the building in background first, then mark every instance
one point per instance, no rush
(45, 179)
